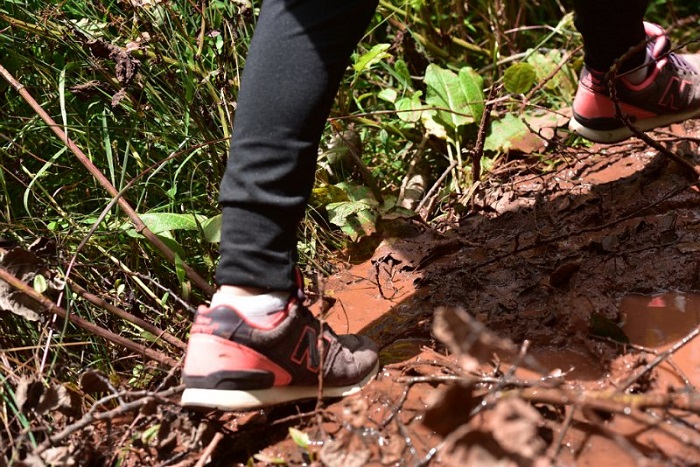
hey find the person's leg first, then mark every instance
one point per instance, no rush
(609, 29)
(297, 57)
(257, 344)
(654, 86)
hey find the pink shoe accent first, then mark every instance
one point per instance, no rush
(208, 354)
(590, 104)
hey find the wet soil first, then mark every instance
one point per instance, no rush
(589, 270)
(551, 323)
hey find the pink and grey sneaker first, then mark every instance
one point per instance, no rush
(235, 365)
(669, 94)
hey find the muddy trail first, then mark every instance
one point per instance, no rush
(552, 324)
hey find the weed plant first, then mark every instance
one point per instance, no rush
(147, 89)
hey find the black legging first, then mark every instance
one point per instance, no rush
(297, 57)
(609, 28)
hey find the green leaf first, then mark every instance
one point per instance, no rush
(159, 222)
(212, 229)
(519, 78)
(149, 435)
(269, 459)
(402, 73)
(356, 219)
(180, 269)
(172, 244)
(40, 285)
(375, 55)
(410, 108)
(472, 86)
(504, 132)
(563, 82)
(460, 98)
(388, 95)
(163, 222)
(357, 192)
(300, 438)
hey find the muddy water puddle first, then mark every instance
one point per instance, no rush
(658, 322)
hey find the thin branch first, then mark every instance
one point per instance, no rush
(160, 357)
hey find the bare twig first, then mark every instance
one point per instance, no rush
(478, 151)
(661, 358)
(204, 458)
(143, 399)
(156, 331)
(86, 325)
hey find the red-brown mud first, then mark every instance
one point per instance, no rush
(593, 265)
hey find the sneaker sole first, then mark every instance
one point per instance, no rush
(621, 134)
(238, 401)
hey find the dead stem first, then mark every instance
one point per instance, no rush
(206, 454)
(143, 398)
(84, 324)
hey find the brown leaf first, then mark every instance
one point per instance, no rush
(24, 265)
(515, 426)
(467, 338)
(94, 382)
(441, 416)
(336, 452)
(28, 394)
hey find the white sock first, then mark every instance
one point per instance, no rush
(639, 74)
(252, 306)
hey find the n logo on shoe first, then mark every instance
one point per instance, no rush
(676, 93)
(306, 350)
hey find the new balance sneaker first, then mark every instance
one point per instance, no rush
(669, 94)
(233, 364)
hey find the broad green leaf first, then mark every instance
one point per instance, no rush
(326, 194)
(357, 192)
(472, 86)
(519, 78)
(374, 55)
(159, 222)
(339, 212)
(212, 229)
(180, 269)
(460, 98)
(402, 73)
(149, 434)
(173, 245)
(356, 218)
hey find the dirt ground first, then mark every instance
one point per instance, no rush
(552, 324)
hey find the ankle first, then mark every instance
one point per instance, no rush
(255, 305)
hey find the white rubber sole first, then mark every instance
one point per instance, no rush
(621, 134)
(240, 401)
